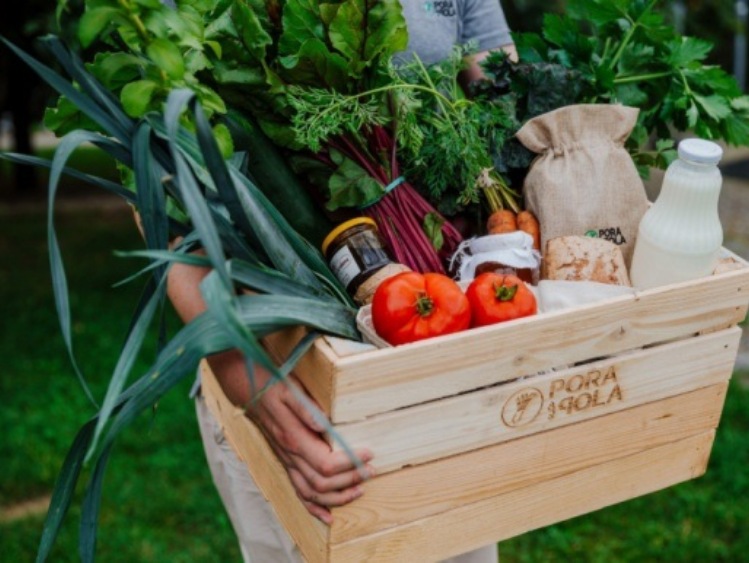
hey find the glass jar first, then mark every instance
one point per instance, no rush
(355, 252)
(680, 236)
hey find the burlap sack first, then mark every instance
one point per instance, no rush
(584, 181)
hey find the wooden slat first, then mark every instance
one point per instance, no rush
(507, 515)
(248, 442)
(383, 380)
(504, 412)
(417, 492)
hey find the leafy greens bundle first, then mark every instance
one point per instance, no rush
(623, 52)
(247, 243)
(271, 62)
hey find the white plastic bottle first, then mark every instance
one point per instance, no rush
(680, 236)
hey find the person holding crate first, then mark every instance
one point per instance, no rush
(322, 478)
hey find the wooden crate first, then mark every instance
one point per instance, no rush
(487, 434)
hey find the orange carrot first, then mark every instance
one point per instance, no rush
(502, 221)
(527, 222)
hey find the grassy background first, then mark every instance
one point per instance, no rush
(159, 503)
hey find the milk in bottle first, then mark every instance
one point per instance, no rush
(680, 236)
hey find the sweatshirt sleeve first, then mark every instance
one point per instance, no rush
(485, 25)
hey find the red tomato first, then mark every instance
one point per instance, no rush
(499, 297)
(412, 306)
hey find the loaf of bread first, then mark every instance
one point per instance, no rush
(578, 258)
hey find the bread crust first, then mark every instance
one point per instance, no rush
(578, 258)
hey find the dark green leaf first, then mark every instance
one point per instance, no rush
(153, 4)
(109, 108)
(90, 509)
(636, 57)
(83, 102)
(189, 189)
(95, 21)
(136, 97)
(116, 69)
(351, 186)
(573, 46)
(363, 30)
(64, 489)
(107, 185)
(167, 57)
(433, 228)
(716, 107)
(685, 50)
(251, 32)
(221, 306)
(598, 12)
(67, 145)
(301, 23)
(631, 95)
(268, 281)
(737, 129)
(66, 117)
(315, 63)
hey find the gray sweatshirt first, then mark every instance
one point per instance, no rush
(435, 26)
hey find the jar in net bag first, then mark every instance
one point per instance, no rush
(680, 236)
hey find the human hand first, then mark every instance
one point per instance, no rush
(323, 478)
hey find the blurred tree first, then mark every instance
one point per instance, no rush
(22, 93)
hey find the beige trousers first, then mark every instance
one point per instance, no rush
(261, 537)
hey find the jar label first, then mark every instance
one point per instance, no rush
(344, 266)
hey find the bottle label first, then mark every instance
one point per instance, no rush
(344, 265)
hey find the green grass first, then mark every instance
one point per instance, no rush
(159, 503)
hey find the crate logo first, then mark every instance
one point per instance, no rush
(523, 407)
(583, 391)
(613, 234)
(564, 396)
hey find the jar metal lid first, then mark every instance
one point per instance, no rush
(700, 151)
(344, 227)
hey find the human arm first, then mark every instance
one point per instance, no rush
(323, 478)
(473, 70)
(485, 26)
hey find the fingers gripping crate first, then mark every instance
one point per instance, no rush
(484, 435)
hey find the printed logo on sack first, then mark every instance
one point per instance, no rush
(444, 8)
(613, 234)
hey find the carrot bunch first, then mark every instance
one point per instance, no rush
(505, 213)
(507, 221)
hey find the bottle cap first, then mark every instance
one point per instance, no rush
(700, 151)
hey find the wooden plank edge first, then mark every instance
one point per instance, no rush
(310, 535)
(511, 514)
(424, 490)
